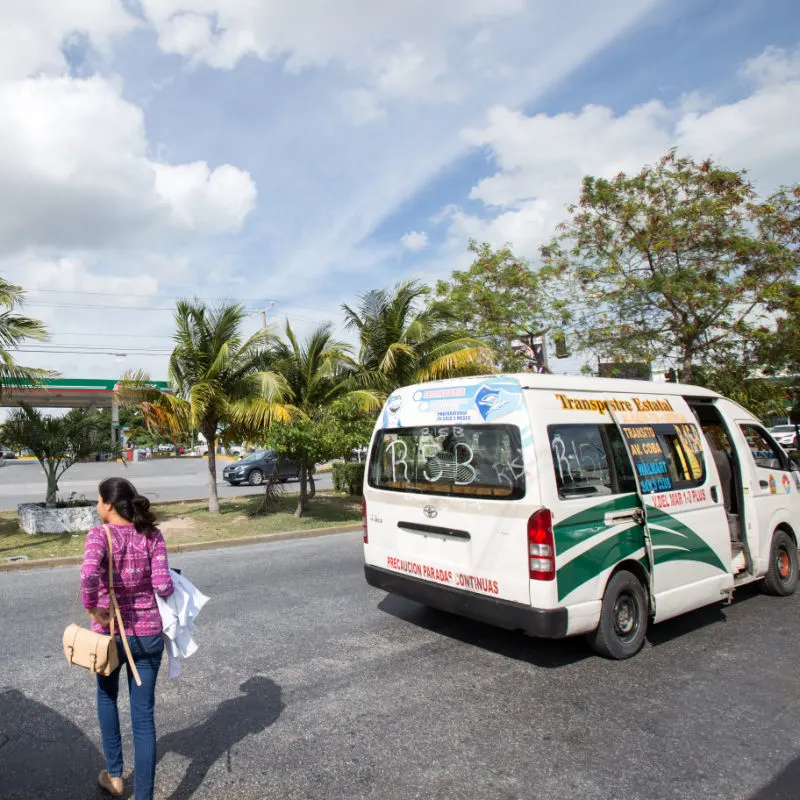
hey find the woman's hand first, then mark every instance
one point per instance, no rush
(100, 615)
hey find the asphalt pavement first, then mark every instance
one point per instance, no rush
(310, 685)
(158, 479)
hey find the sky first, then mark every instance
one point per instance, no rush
(291, 155)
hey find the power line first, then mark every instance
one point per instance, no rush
(243, 301)
(103, 307)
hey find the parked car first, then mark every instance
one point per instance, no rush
(259, 466)
(6, 453)
(784, 435)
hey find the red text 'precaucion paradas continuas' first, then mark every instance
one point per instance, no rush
(458, 579)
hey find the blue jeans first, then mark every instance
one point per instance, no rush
(146, 652)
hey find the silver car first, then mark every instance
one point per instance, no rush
(784, 435)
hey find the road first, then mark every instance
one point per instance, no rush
(310, 685)
(159, 479)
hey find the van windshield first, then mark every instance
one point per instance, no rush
(468, 460)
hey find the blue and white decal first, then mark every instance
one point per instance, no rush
(480, 401)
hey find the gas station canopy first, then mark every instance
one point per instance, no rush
(67, 393)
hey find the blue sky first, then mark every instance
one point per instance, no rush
(303, 152)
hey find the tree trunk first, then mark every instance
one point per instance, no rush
(213, 497)
(686, 369)
(52, 490)
(303, 500)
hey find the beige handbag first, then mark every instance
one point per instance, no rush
(96, 651)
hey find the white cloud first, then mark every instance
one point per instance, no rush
(307, 32)
(33, 32)
(541, 159)
(361, 106)
(415, 241)
(774, 65)
(75, 172)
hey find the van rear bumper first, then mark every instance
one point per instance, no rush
(545, 623)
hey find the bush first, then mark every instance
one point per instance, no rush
(348, 477)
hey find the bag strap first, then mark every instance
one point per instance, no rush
(116, 611)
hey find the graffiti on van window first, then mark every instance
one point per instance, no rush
(398, 453)
(589, 458)
(510, 471)
(455, 467)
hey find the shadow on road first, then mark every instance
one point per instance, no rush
(548, 653)
(784, 786)
(203, 744)
(695, 620)
(43, 754)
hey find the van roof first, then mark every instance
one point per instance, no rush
(529, 380)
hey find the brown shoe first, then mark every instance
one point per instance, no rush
(113, 786)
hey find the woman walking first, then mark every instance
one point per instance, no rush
(140, 572)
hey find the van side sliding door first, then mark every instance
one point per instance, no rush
(688, 527)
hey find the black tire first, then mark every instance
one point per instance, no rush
(782, 575)
(256, 477)
(623, 618)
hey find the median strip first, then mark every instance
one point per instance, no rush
(189, 527)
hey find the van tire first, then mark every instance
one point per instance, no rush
(782, 575)
(623, 618)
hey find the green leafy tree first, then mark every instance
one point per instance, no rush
(58, 442)
(668, 263)
(778, 344)
(739, 380)
(15, 330)
(405, 339)
(309, 442)
(502, 299)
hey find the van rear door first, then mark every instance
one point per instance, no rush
(450, 503)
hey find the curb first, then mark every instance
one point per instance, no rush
(191, 547)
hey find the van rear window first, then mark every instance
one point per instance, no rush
(482, 461)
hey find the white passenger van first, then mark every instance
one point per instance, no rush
(560, 505)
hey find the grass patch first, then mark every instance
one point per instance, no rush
(187, 523)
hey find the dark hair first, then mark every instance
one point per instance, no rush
(129, 504)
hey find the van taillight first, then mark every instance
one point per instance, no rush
(364, 519)
(541, 547)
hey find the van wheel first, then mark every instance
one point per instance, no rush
(782, 575)
(623, 618)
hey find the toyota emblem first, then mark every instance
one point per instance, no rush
(430, 512)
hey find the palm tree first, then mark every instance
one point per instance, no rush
(405, 340)
(216, 376)
(316, 374)
(16, 329)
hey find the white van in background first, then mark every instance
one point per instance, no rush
(558, 505)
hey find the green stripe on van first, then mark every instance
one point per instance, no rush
(672, 541)
(585, 524)
(602, 556)
(683, 543)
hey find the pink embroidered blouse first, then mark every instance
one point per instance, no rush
(140, 572)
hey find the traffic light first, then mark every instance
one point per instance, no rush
(671, 376)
